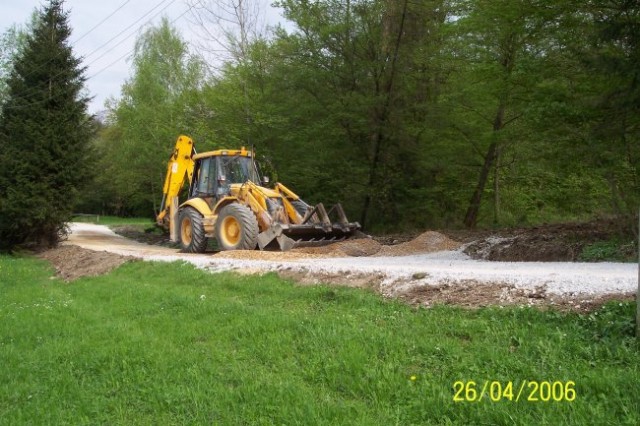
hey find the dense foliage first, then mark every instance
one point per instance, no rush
(412, 114)
(159, 102)
(44, 132)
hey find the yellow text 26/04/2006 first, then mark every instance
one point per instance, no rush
(526, 390)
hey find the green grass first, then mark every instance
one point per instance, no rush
(613, 250)
(160, 344)
(113, 220)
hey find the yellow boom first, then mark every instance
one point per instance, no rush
(179, 169)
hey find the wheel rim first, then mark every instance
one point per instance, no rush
(185, 231)
(230, 231)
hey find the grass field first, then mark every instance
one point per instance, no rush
(162, 344)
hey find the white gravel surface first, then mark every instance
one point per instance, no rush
(450, 267)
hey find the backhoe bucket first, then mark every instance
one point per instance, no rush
(316, 229)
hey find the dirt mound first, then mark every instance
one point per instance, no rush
(73, 262)
(427, 242)
(562, 242)
(351, 248)
(525, 248)
(469, 294)
(396, 238)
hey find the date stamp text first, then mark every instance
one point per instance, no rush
(527, 390)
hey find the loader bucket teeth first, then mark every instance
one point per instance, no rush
(316, 229)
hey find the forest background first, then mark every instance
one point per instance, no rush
(412, 113)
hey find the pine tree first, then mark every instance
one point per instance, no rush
(44, 135)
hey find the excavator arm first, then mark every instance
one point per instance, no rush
(179, 170)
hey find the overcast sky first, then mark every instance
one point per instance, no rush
(108, 60)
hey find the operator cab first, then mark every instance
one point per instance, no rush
(214, 174)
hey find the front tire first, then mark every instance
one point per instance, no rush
(192, 238)
(236, 228)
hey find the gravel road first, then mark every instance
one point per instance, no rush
(394, 273)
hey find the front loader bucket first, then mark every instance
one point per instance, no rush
(291, 236)
(316, 229)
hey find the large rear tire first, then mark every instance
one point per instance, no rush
(236, 228)
(192, 238)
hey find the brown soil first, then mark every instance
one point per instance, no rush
(469, 294)
(546, 243)
(393, 239)
(350, 248)
(561, 242)
(472, 294)
(357, 280)
(73, 262)
(427, 242)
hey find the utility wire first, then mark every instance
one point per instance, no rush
(95, 74)
(43, 84)
(73, 43)
(101, 22)
(129, 27)
(105, 44)
(127, 37)
(132, 50)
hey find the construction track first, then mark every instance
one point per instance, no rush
(429, 269)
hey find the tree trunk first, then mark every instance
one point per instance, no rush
(615, 193)
(496, 188)
(471, 217)
(377, 137)
(381, 118)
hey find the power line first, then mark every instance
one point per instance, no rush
(130, 26)
(35, 89)
(95, 74)
(131, 51)
(127, 37)
(101, 22)
(73, 43)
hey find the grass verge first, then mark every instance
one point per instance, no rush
(113, 220)
(613, 250)
(154, 343)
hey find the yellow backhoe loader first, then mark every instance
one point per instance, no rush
(226, 202)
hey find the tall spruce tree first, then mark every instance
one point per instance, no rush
(44, 134)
